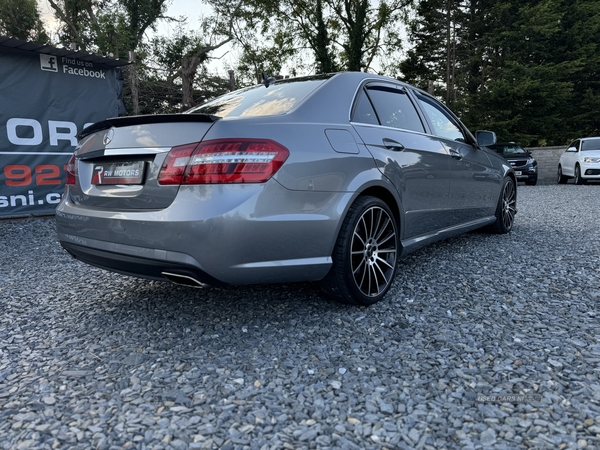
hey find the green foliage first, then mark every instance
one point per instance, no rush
(315, 36)
(21, 19)
(527, 69)
(169, 51)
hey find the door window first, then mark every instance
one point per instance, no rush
(392, 106)
(444, 125)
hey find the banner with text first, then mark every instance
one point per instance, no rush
(45, 101)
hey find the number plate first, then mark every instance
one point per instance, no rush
(118, 173)
(517, 173)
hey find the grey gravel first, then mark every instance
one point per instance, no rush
(90, 359)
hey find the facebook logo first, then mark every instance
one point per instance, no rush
(48, 63)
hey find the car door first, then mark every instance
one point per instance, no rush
(473, 179)
(416, 163)
(569, 158)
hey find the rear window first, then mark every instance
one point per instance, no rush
(279, 98)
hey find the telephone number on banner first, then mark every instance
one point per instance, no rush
(21, 175)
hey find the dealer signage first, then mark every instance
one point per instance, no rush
(45, 101)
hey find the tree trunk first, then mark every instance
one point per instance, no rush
(448, 48)
(134, 83)
(189, 65)
(231, 80)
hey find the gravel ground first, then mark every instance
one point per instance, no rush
(90, 359)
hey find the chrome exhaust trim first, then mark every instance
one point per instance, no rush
(182, 279)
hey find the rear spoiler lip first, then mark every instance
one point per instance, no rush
(144, 120)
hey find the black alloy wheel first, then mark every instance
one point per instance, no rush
(506, 209)
(365, 255)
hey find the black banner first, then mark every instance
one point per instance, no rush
(45, 100)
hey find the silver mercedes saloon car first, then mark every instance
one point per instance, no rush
(327, 178)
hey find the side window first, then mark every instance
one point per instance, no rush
(577, 144)
(394, 108)
(363, 111)
(444, 125)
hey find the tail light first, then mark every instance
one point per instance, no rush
(71, 170)
(223, 161)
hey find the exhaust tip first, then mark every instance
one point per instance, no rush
(184, 280)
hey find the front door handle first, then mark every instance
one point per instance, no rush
(392, 145)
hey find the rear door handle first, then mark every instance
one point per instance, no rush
(455, 154)
(392, 145)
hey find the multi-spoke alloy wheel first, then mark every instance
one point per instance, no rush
(506, 209)
(365, 254)
(373, 251)
(509, 205)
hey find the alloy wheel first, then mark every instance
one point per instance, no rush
(509, 202)
(578, 179)
(373, 251)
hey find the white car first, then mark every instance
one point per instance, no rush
(581, 161)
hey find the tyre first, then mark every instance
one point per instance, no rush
(578, 179)
(506, 209)
(561, 179)
(365, 254)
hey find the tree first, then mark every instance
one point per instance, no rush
(78, 19)
(526, 85)
(528, 69)
(21, 19)
(109, 27)
(580, 27)
(337, 34)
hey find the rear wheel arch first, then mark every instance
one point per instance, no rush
(365, 255)
(389, 199)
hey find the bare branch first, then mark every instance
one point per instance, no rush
(65, 19)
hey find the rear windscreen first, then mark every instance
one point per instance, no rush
(278, 98)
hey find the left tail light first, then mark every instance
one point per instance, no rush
(71, 170)
(223, 161)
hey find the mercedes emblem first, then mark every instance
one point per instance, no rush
(108, 136)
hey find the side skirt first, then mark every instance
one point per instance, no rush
(415, 243)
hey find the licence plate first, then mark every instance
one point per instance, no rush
(118, 173)
(517, 173)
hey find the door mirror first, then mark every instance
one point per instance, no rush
(571, 149)
(485, 138)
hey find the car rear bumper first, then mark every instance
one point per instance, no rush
(216, 235)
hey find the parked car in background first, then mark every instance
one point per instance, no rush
(326, 178)
(581, 161)
(524, 165)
